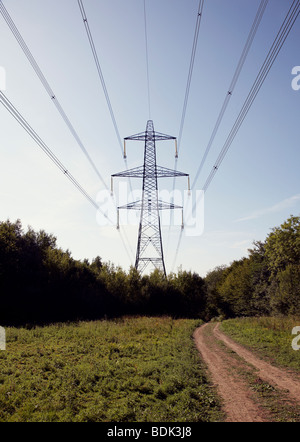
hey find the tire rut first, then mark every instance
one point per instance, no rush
(238, 404)
(267, 372)
(223, 369)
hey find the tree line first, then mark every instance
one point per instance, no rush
(41, 283)
(267, 282)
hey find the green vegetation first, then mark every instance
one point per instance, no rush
(96, 343)
(270, 337)
(40, 283)
(126, 370)
(265, 283)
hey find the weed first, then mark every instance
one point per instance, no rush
(269, 336)
(132, 369)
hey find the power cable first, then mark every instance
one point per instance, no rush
(189, 79)
(100, 74)
(46, 85)
(21, 120)
(234, 80)
(277, 44)
(147, 59)
(101, 77)
(93, 48)
(265, 69)
(187, 91)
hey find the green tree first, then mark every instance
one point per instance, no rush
(213, 280)
(96, 265)
(285, 295)
(236, 290)
(283, 245)
(115, 280)
(283, 259)
(260, 279)
(10, 245)
(191, 294)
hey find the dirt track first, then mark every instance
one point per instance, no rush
(238, 402)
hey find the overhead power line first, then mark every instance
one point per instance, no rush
(147, 60)
(22, 121)
(189, 79)
(99, 70)
(265, 69)
(46, 85)
(95, 55)
(187, 91)
(277, 44)
(234, 80)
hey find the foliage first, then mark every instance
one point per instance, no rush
(269, 336)
(40, 283)
(125, 370)
(283, 245)
(266, 282)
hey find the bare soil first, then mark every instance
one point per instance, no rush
(219, 352)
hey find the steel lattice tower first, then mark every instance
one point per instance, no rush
(149, 246)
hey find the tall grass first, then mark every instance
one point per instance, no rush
(271, 337)
(132, 369)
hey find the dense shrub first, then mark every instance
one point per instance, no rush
(41, 283)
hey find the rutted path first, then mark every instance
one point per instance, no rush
(238, 401)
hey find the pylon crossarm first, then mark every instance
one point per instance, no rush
(167, 206)
(136, 205)
(137, 137)
(161, 205)
(138, 172)
(143, 135)
(135, 172)
(163, 137)
(164, 172)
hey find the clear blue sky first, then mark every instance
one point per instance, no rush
(257, 185)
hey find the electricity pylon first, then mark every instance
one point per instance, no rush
(149, 246)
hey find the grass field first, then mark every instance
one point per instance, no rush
(271, 337)
(129, 370)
